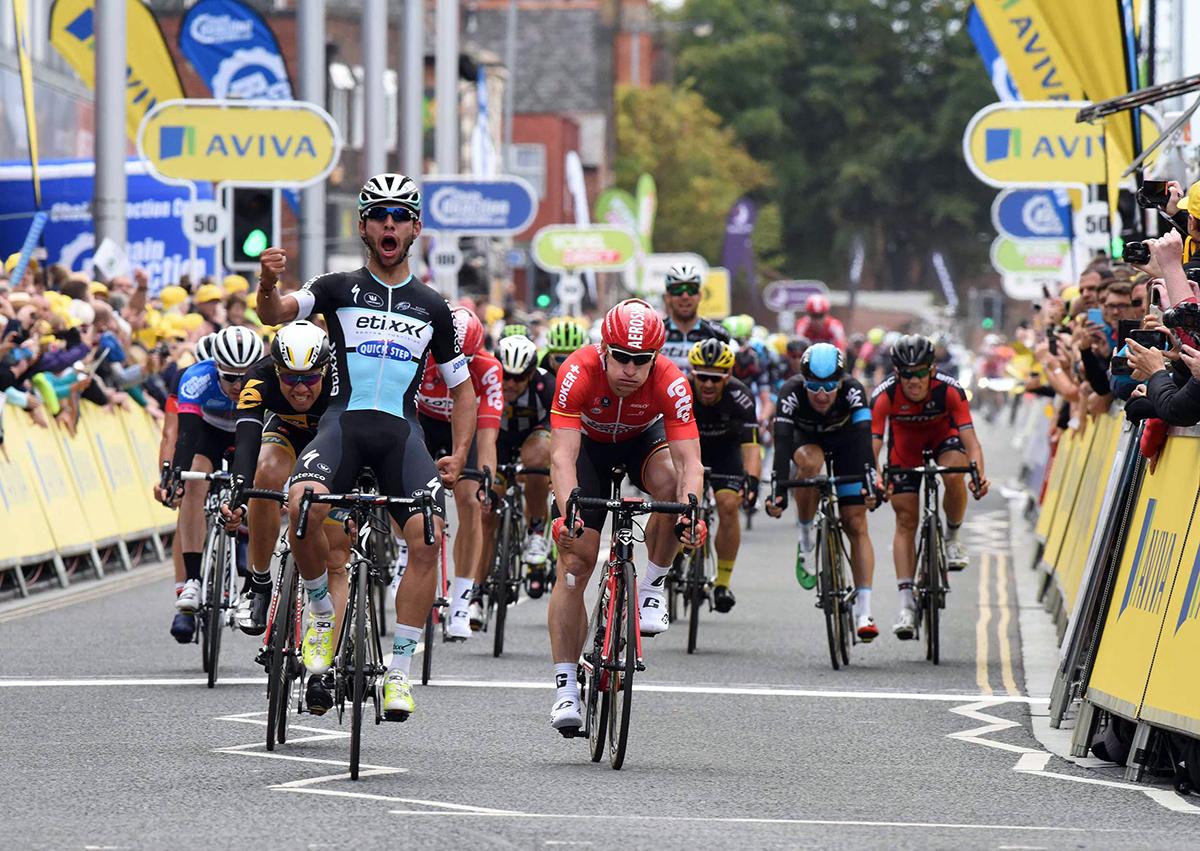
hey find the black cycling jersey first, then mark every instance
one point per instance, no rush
(261, 393)
(845, 430)
(530, 410)
(679, 343)
(731, 419)
(850, 406)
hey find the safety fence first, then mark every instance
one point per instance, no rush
(82, 500)
(1119, 555)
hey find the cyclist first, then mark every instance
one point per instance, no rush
(617, 403)
(525, 438)
(564, 336)
(823, 409)
(751, 364)
(923, 410)
(435, 407)
(728, 431)
(818, 326)
(292, 385)
(383, 325)
(681, 298)
(206, 405)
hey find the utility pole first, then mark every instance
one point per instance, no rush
(311, 37)
(374, 50)
(412, 91)
(446, 87)
(108, 206)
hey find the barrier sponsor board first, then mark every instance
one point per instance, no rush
(1058, 472)
(503, 206)
(263, 142)
(559, 248)
(1173, 690)
(1063, 511)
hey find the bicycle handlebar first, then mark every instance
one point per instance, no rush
(422, 498)
(220, 476)
(931, 469)
(866, 479)
(522, 470)
(629, 505)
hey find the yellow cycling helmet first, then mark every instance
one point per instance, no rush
(778, 343)
(711, 354)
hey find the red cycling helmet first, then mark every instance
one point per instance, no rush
(816, 304)
(468, 330)
(633, 325)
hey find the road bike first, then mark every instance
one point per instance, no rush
(835, 583)
(612, 653)
(358, 665)
(932, 581)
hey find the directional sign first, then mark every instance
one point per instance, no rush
(570, 289)
(503, 206)
(1048, 258)
(789, 295)
(205, 223)
(261, 142)
(446, 258)
(559, 248)
(656, 266)
(1032, 214)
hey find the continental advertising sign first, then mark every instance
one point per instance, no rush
(1021, 144)
(562, 247)
(275, 143)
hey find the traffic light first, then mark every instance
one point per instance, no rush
(991, 309)
(254, 214)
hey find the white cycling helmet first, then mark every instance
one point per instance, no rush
(300, 347)
(392, 189)
(204, 347)
(236, 347)
(518, 355)
(683, 273)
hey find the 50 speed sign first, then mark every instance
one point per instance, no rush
(205, 223)
(1092, 226)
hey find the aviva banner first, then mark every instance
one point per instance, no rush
(150, 75)
(281, 143)
(1036, 60)
(1016, 144)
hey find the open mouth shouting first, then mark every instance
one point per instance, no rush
(389, 249)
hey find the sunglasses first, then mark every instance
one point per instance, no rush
(637, 359)
(308, 379)
(684, 289)
(914, 373)
(710, 377)
(231, 377)
(1137, 302)
(517, 378)
(380, 214)
(818, 386)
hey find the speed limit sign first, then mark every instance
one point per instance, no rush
(205, 223)
(1092, 225)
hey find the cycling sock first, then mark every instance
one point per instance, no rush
(805, 537)
(462, 594)
(537, 525)
(724, 571)
(404, 644)
(318, 594)
(655, 578)
(952, 531)
(192, 563)
(565, 683)
(260, 581)
(906, 595)
(862, 601)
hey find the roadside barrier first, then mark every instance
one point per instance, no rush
(1121, 570)
(83, 499)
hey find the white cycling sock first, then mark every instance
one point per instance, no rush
(906, 595)
(805, 537)
(404, 644)
(862, 601)
(319, 600)
(952, 531)
(462, 594)
(565, 683)
(654, 579)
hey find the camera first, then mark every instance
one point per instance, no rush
(1136, 253)
(1153, 193)
(1185, 315)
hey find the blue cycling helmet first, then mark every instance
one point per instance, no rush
(823, 362)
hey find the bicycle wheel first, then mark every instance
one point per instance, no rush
(279, 681)
(695, 595)
(596, 707)
(427, 654)
(828, 596)
(359, 623)
(845, 614)
(501, 570)
(217, 579)
(620, 682)
(931, 594)
(206, 577)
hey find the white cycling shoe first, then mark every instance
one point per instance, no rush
(189, 598)
(652, 612)
(567, 714)
(906, 625)
(460, 624)
(536, 549)
(956, 556)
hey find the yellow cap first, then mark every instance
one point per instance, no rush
(11, 263)
(492, 314)
(235, 284)
(172, 296)
(207, 293)
(97, 288)
(1190, 203)
(192, 321)
(1069, 294)
(252, 300)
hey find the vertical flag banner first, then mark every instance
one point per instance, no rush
(150, 74)
(21, 22)
(993, 62)
(617, 207)
(234, 51)
(647, 207)
(483, 151)
(1039, 64)
(737, 251)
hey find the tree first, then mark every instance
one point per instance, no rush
(858, 107)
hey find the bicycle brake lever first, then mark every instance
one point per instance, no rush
(427, 518)
(305, 503)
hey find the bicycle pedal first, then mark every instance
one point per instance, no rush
(640, 666)
(394, 715)
(571, 732)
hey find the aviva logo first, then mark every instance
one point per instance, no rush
(1001, 144)
(176, 142)
(1006, 143)
(1152, 561)
(180, 141)
(1190, 608)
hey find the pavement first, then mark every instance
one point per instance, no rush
(112, 740)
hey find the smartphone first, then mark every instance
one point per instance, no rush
(1096, 316)
(1125, 327)
(1119, 365)
(1150, 339)
(1052, 343)
(1153, 194)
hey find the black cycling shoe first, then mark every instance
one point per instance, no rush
(318, 696)
(723, 599)
(183, 627)
(252, 611)
(535, 583)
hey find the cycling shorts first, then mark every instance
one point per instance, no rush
(724, 458)
(509, 443)
(851, 456)
(439, 440)
(214, 444)
(393, 447)
(911, 482)
(293, 438)
(593, 467)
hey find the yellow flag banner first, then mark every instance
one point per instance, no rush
(150, 74)
(1035, 59)
(21, 22)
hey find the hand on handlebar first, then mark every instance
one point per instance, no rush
(750, 492)
(450, 467)
(775, 506)
(979, 491)
(565, 538)
(233, 517)
(689, 537)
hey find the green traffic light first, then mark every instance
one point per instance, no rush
(255, 243)
(543, 300)
(1117, 247)
(988, 323)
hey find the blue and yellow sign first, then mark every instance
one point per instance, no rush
(278, 143)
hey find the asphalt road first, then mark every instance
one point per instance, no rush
(111, 740)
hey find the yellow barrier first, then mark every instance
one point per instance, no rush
(107, 435)
(1058, 468)
(95, 506)
(1173, 692)
(1078, 450)
(143, 435)
(54, 491)
(24, 532)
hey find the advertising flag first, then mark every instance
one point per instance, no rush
(993, 62)
(234, 51)
(483, 151)
(21, 22)
(617, 207)
(647, 207)
(1038, 63)
(737, 252)
(150, 75)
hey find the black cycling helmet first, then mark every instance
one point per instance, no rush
(823, 362)
(912, 351)
(797, 345)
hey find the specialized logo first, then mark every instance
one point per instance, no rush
(354, 291)
(373, 300)
(309, 457)
(682, 394)
(251, 396)
(568, 381)
(384, 349)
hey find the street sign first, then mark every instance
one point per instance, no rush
(569, 289)
(1039, 142)
(714, 294)
(1092, 227)
(446, 259)
(259, 142)
(1032, 214)
(516, 258)
(559, 248)
(205, 223)
(1048, 258)
(502, 206)
(789, 295)
(656, 266)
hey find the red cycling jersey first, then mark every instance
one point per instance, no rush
(829, 331)
(916, 426)
(434, 399)
(584, 400)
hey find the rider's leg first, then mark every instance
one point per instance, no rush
(862, 555)
(659, 480)
(904, 544)
(335, 565)
(729, 534)
(191, 519)
(466, 553)
(810, 461)
(535, 452)
(566, 615)
(274, 466)
(312, 551)
(954, 502)
(418, 588)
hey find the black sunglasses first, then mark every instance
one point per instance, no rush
(231, 377)
(914, 373)
(380, 214)
(686, 288)
(637, 359)
(710, 377)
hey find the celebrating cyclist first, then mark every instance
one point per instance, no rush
(383, 326)
(525, 438)
(617, 403)
(564, 336)
(683, 324)
(435, 409)
(822, 409)
(728, 429)
(208, 393)
(922, 410)
(818, 326)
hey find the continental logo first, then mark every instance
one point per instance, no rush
(564, 386)
(251, 396)
(1146, 588)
